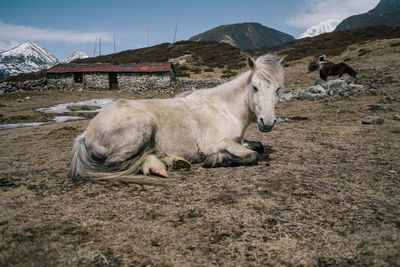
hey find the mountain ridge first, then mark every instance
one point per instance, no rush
(248, 35)
(387, 12)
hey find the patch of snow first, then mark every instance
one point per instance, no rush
(323, 27)
(58, 119)
(229, 40)
(63, 108)
(19, 125)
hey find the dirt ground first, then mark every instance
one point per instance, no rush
(327, 192)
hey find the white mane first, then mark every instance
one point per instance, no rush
(269, 68)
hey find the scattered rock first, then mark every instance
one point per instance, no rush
(396, 117)
(299, 118)
(281, 118)
(156, 242)
(395, 131)
(373, 84)
(28, 98)
(372, 120)
(375, 108)
(333, 89)
(373, 92)
(287, 97)
(149, 96)
(386, 99)
(312, 93)
(194, 213)
(343, 111)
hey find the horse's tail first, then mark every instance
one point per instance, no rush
(352, 72)
(84, 167)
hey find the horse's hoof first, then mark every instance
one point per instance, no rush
(158, 172)
(181, 164)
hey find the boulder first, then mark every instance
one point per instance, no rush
(372, 120)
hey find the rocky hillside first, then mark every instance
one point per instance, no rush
(334, 43)
(245, 36)
(387, 12)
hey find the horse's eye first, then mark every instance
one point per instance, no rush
(255, 89)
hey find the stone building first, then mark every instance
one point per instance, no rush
(113, 76)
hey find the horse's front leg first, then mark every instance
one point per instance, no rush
(254, 145)
(230, 154)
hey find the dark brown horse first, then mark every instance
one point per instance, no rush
(331, 69)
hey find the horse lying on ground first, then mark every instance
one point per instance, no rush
(129, 137)
(331, 69)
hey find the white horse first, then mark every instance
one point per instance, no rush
(208, 125)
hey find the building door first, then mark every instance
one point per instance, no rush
(113, 80)
(78, 77)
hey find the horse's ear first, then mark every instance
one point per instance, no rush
(251, 63)
(282, 61)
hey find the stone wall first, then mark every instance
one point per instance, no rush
(66, 78)
(97, 81)
(133, 81)
(126, 81)
(44, 84)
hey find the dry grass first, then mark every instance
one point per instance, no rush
(326, 193)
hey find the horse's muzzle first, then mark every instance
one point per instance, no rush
(265, 125)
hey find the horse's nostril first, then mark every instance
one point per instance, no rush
(262, 121)
(274, 121)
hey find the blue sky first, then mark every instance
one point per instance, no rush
(63, 26)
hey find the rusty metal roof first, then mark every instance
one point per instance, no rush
(142, 67)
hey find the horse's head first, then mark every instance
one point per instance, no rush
(265, 80)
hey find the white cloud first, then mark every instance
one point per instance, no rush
(22, 33)
(316, 11)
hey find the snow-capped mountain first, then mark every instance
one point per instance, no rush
(323, 27)
(75, 55)
(26, 57)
